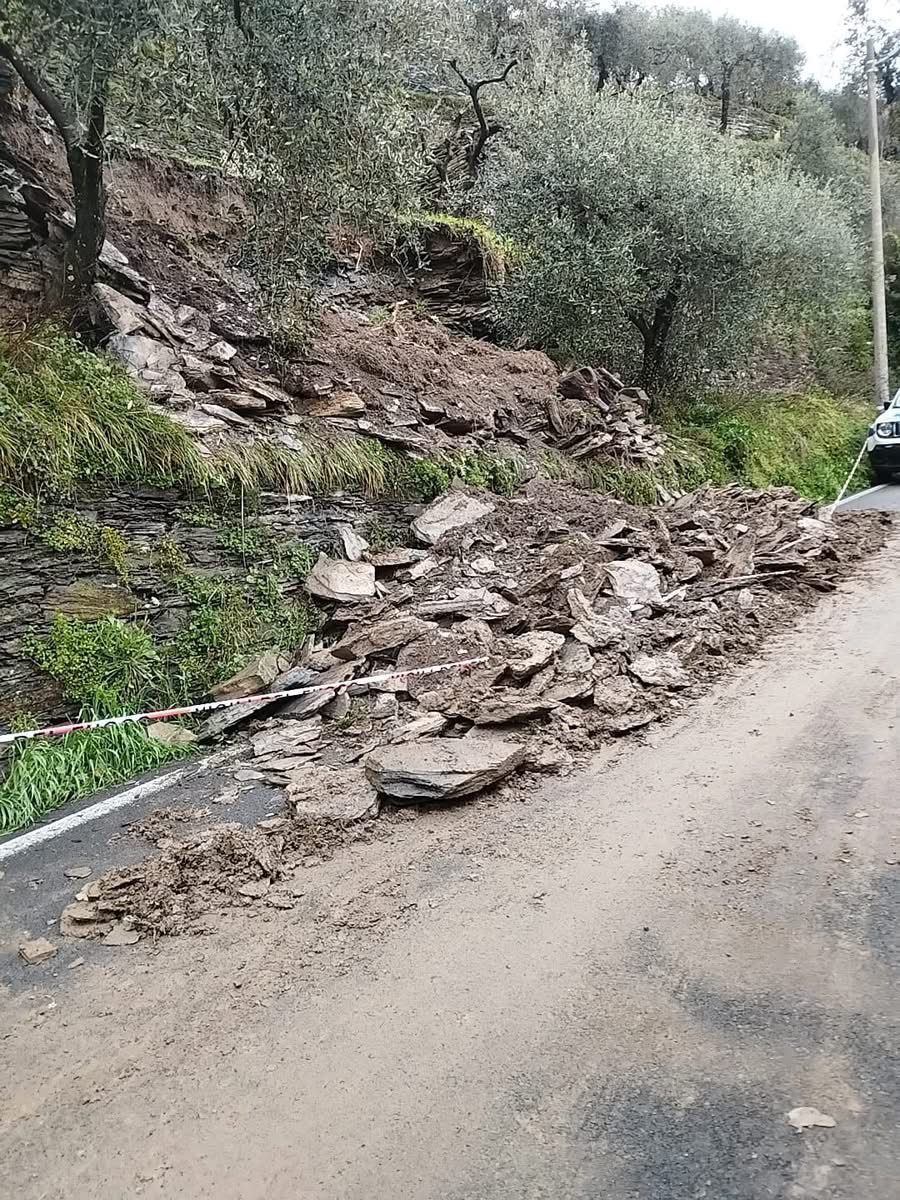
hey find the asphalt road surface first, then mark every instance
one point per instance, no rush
(615, 989)
(886, 497)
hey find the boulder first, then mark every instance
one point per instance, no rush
(259, 674)
(531, 652)
(171, 734)
(343, 582)
(196, 421)
(37, 950)
(140, 353)
(429, 724)
(635, 582)
(226, 718)
(312, 702)
(380, 638)
(284, 738)
(591, 628)
(399, 556)
(338, 404)
(88, 600)
(615, 694)
(442, 768)
(452, 511)
(503, 705)
(467, 602)
(386, 707)
(340, 796)
(353, 545)
(660, 670)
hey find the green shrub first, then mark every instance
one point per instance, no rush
(107, 665)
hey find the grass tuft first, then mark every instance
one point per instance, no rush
(44, 773)
(497, 251)
(68, 417)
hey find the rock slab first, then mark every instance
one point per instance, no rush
(442, 768)
(343, 582)
(452, 511)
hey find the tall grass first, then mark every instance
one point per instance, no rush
(808, 443)
(67, 416)
(44, 773)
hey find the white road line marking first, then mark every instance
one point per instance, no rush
(867, 492)
(140, 791)
(44, 833)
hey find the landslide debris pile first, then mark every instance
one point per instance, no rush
(190, 336)
(596, 619)
(410, 385)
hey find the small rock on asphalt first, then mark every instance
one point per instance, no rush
(37, 950)
(807, 1118)
(121, 935)
(78, 872)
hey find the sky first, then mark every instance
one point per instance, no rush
(817, 25)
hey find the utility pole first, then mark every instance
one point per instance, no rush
(879, 314)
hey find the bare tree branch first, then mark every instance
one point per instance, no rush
(44, 95)
(485, 131)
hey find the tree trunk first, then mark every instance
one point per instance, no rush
(725, 112)
(85, 159)
(656, 337)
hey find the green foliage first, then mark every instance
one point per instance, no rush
(685, 49)
(71, 419)
(496, 251)
(103, 665)
(669, 270)
(17, 508)
(229, 623)
(70, 532)
(892, 298)
(325, 137)
(45, 773)
(68, 417)
(76, 45)
(382, 536)
(805, 442)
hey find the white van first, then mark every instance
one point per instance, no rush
(883, 443)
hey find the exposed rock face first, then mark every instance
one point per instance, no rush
(442, 768)
(37, 581)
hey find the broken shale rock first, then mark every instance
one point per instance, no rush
(442, 768)
(636, 583)
(340, 581)
(660, 670)
(456, 509)
(380, 637)
(256, 676)
(338, 795)
(529, 653)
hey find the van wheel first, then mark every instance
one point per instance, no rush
(883, 475)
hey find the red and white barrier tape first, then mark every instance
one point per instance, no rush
(190, 709)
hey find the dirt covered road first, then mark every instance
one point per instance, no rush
(618, 987)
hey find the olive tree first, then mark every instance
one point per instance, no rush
(326, 125)
(650, 242)
(683, 49)
(67, 53)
